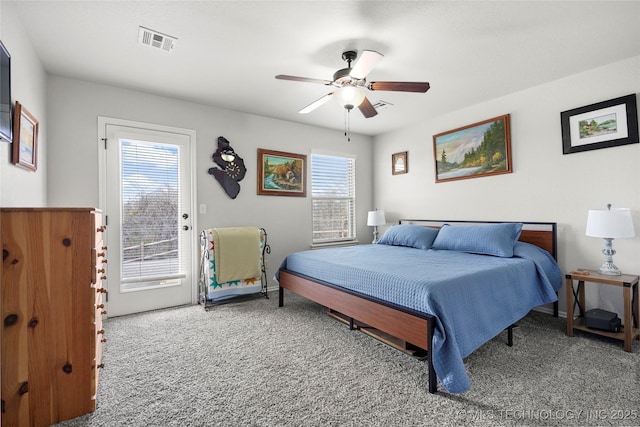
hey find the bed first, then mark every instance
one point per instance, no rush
(446, 287)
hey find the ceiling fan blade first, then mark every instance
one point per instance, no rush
(366, 108)
(368, 59)
(315, 104)
(399, 86)
(303, 79)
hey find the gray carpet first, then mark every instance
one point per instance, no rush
(251, 363)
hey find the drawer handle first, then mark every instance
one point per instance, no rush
(101, 228)
(101, 331)
(103, 277)
(101, 291)
(103, 312)
(104, 248)
(100, 306)
(100, 366)
(103, 340)
(101, 254)
(104, 261)
(101, 270)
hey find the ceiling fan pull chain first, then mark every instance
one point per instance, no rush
(347, 127)
(345, 122)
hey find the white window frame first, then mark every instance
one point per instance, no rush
(351, 226)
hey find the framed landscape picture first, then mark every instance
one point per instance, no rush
(601, 125)
(479, 149)
(281, 174)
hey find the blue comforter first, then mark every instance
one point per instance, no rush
(473, 297)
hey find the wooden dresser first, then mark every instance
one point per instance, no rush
(53, 265)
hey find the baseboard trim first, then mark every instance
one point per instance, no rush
(549, 310)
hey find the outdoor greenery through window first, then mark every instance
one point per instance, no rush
(333, 193)
(150, 208)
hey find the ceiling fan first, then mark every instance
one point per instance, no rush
(350, 82)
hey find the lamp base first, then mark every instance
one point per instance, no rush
(375, 234)
(608, 268)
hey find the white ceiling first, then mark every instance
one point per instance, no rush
(228, 52)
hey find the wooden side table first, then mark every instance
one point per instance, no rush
(629, 285)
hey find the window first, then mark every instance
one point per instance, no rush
(150, 208)
(333, 194)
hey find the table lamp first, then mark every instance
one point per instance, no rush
(374, 219)
(609, 224)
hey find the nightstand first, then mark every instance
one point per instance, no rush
(629, 285)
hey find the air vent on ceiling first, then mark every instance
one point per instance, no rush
(155, 39)
(381, 105)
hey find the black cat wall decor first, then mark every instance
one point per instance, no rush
(231, 170)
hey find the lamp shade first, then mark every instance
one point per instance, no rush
(375, 218)
(612, 223)
(349, 96)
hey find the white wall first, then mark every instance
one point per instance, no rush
(18, 186)
(74, 106)
(545, 184)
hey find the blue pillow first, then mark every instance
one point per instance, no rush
(413, 236)
(486, 239)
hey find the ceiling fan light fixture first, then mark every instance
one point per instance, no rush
(350, 83)
(349, 97)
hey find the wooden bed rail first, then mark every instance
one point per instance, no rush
(411, 326)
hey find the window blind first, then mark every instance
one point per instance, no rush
(150, 207)
(333, 198)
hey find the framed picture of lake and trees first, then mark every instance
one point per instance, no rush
(281, 174)
(472, 151)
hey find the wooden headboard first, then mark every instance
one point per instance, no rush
(541, 234)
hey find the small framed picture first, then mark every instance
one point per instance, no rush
(400, 163)
(600, 125)
(25, 139)
(281, 174)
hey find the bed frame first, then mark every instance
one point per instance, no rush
(405, 324)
